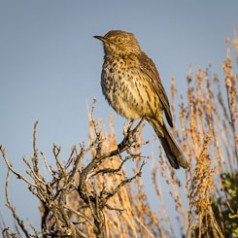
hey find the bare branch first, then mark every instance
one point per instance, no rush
(13, 210)
(123, 183)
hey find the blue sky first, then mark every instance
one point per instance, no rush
(50, 65)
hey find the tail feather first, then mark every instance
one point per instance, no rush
(172, 150)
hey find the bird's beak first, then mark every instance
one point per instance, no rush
(101, 38)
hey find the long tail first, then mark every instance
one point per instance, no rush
(172, 150)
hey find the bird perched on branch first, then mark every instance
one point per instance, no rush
(131, 84)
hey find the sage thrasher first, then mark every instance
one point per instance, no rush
(131, 84)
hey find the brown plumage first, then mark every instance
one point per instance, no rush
(131, 84)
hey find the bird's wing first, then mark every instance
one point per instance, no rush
(148, 68)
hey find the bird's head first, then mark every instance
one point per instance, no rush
(118, 42)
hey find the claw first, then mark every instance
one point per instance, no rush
(132, 132)
(129, 126)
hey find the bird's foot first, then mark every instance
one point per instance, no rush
(131, 133)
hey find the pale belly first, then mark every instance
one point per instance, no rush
(130, 96)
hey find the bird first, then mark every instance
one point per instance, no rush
(131, 84)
